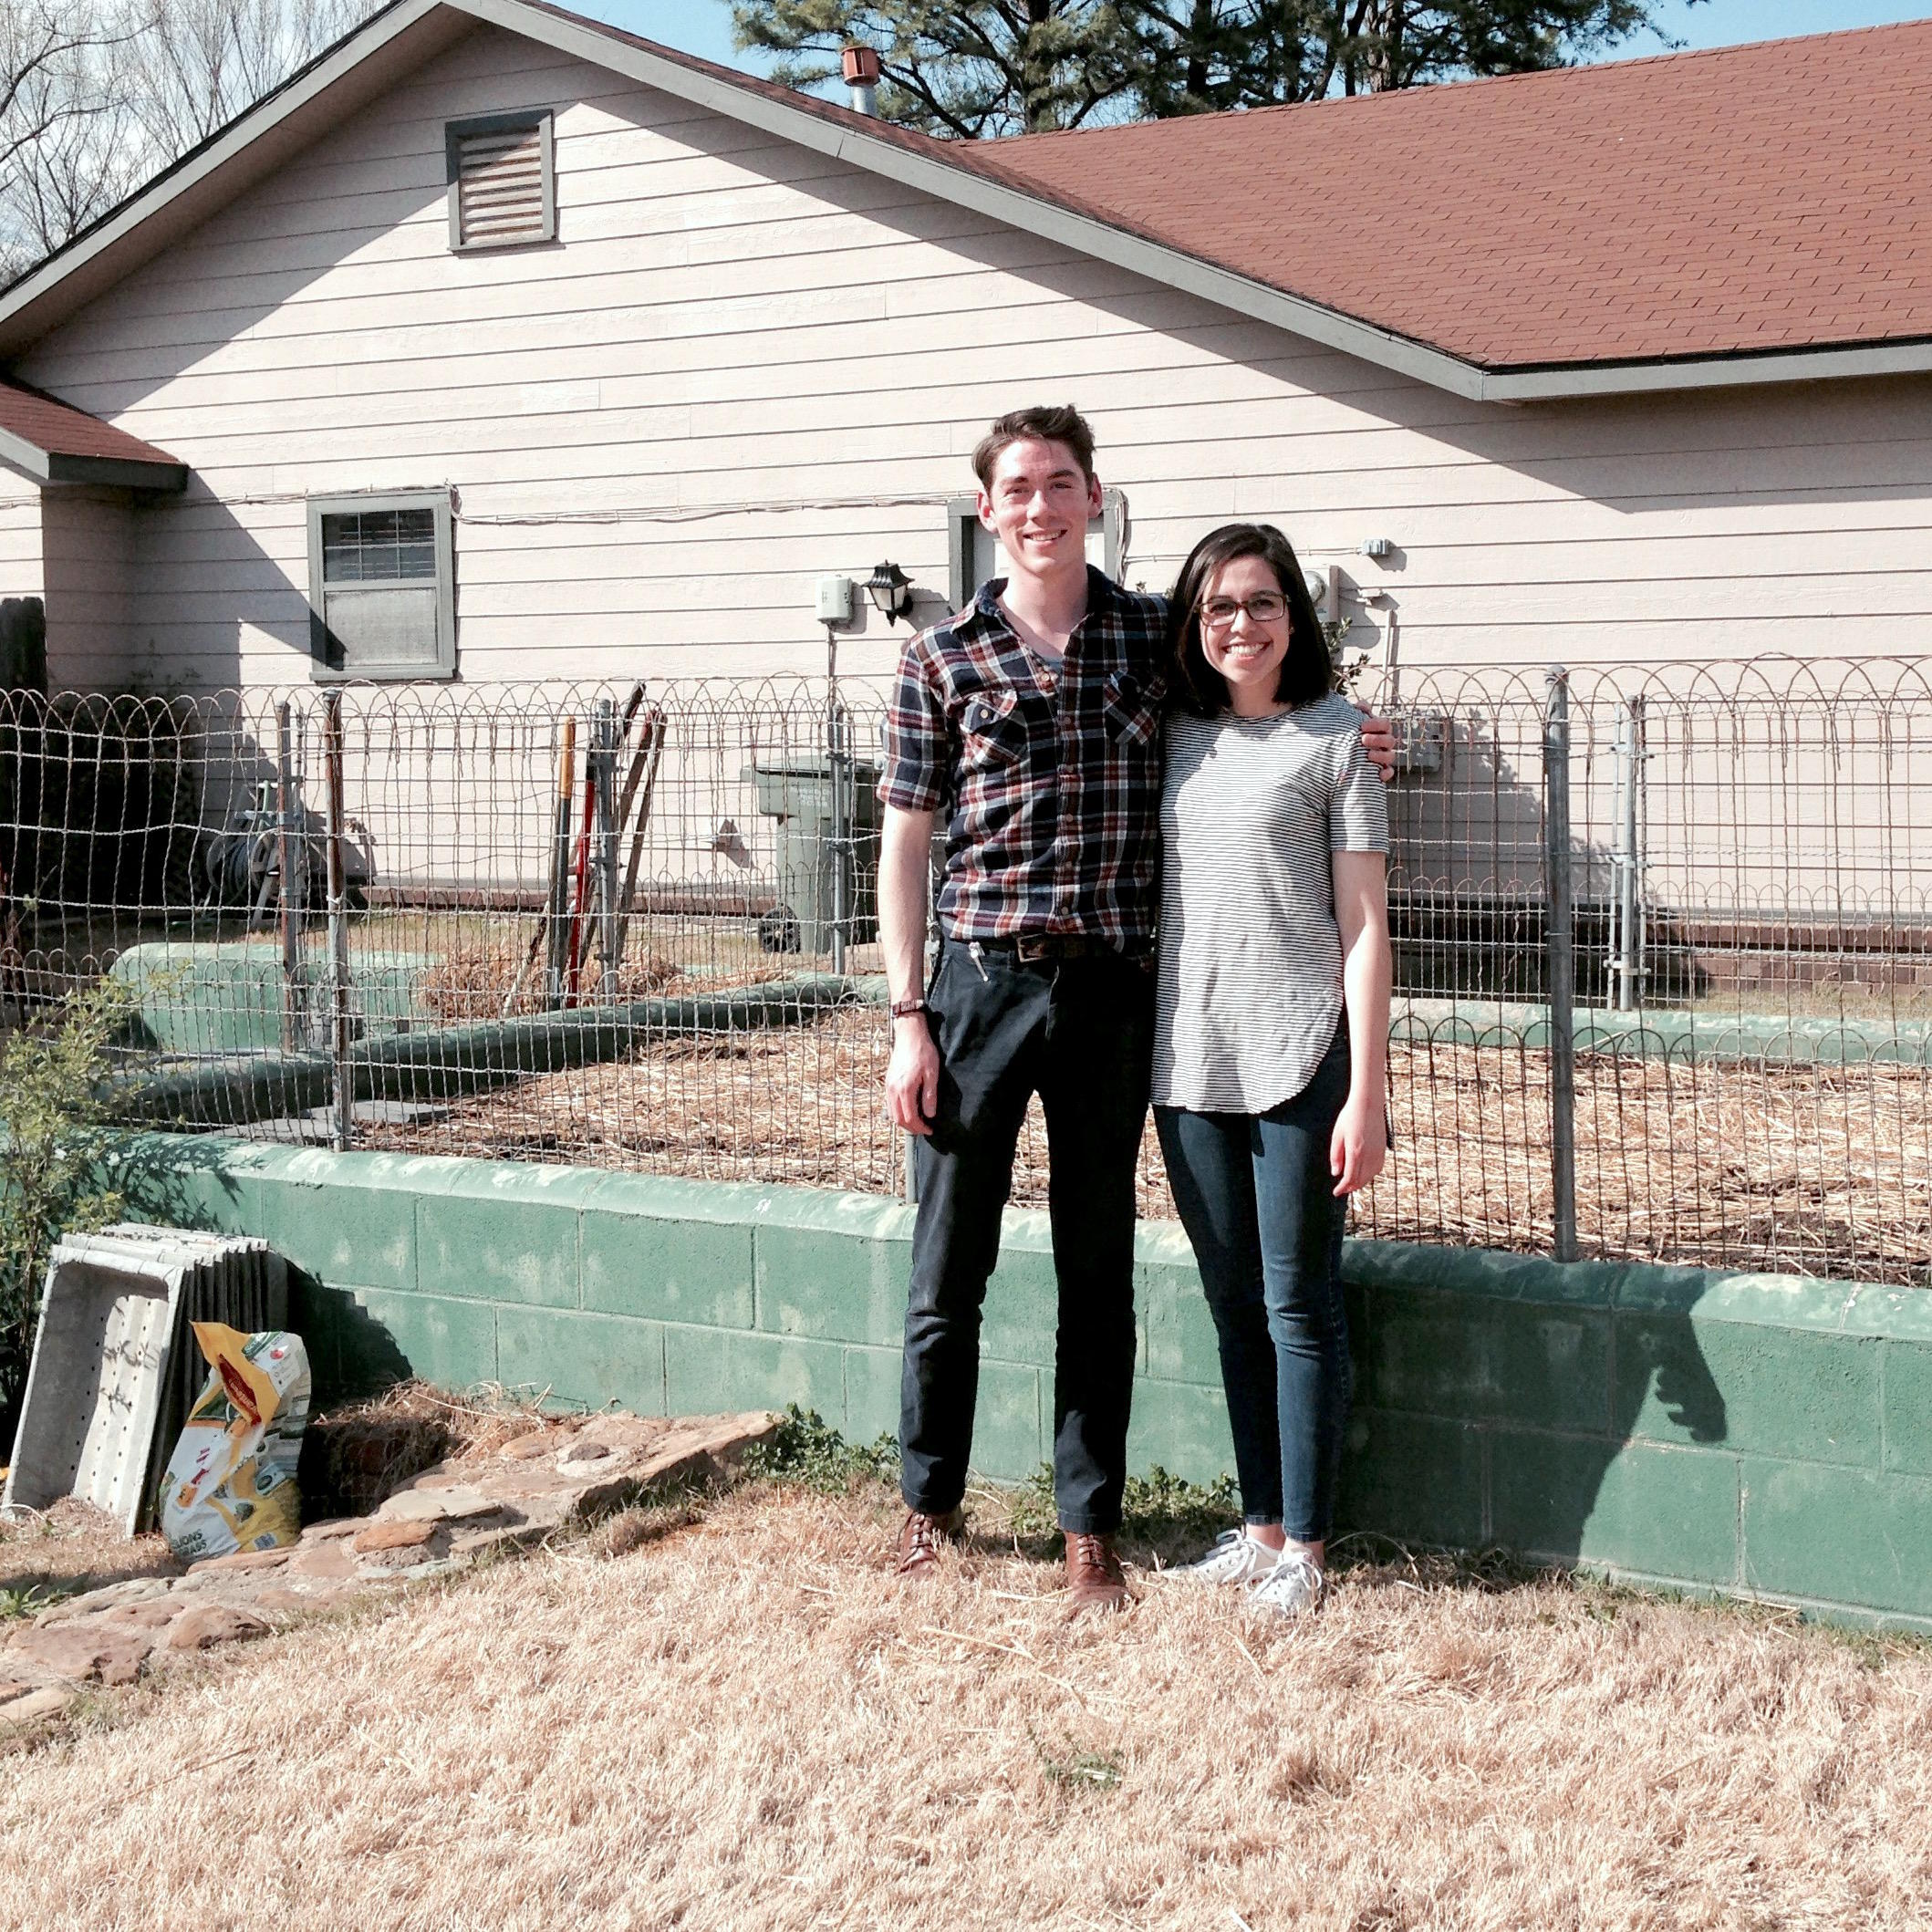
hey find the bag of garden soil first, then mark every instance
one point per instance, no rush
(231, 1481)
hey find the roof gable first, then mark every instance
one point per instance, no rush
(1593, 230)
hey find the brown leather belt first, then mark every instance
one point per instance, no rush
(1029, 948)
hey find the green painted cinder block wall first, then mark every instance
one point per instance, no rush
(1752, 1433)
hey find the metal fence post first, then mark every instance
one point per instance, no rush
(287, 838)
(1560, 962)
(1626, 911)
(343, 1093)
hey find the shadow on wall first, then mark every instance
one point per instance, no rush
(1507, 1402)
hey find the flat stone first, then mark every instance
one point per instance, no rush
(88, 1649)
(132, 1590)
(520, 1448)
(241, 1560)
(336, 1526)
(404, 1535)
(436, 1505)
(277, 1597)
(332, 1559)
(49, 1702)
(207, 1624)
(153, 1615)
(581, 1451)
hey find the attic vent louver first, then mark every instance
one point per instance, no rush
(502, 182)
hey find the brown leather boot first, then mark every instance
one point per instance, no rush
(1095, 1580)
(920, 1538)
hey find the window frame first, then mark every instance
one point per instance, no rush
(962, 518)
(357, 504)
(455, 132)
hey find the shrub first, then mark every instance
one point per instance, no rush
(51, 1105)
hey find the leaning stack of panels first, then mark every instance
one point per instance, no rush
(115, 1368)
(236, 1280)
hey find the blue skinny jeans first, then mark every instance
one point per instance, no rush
(1257, 1199)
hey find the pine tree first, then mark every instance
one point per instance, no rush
(1010, 67)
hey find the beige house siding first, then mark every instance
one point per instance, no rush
(745, 365)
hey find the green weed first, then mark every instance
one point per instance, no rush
(808, 1453)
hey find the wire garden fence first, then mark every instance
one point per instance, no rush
(1663, 943)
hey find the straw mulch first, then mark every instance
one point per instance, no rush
(1823, 1171)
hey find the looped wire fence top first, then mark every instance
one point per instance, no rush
(639, 929)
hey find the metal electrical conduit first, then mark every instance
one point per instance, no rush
(454, 1061)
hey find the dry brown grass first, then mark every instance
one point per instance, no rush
(1821, 1170)
(742, 1724)
(68, 1547)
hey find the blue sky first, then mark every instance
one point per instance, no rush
(703, 27)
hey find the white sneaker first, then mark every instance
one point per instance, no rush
(1236, 1558)
(1293, 1587)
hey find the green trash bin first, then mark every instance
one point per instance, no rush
(800, 798)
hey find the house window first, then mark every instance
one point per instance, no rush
(382, 585)
(502, 182)
(974, 552)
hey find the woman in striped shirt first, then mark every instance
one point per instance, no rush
(1272, 1027)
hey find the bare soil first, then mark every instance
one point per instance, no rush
(743, 1722)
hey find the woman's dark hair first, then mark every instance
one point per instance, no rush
(1307, 672)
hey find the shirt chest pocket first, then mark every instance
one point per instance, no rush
(1132, 709)
(992, 733)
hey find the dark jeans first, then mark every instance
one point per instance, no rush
(1257, 1199)
(1080, 1033)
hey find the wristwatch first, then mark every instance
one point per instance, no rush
(905, 1009)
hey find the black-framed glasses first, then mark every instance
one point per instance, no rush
(1265, 607)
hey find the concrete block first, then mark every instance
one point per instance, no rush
(713, 1371)
(1011, 1423)
(1021, 1315)
(1839, 1535)
(191, 1182)
(506, 1232)
(1415, 1478)
(1178, 1341)
(1481, 1360)
(587, 1361)
(1906, 1381)
(698, 1272)
(1183, 1428)
(872, 1388)
(1660, 1512)
(348, 1226)
(450, 1343)
(1800, 1393)
(830, 1286)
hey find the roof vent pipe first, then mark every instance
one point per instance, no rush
(861, 68)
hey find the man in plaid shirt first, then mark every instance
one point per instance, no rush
(1033, 720)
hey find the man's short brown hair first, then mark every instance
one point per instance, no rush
(1057, 423)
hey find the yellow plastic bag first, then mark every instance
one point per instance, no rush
(231, 1481)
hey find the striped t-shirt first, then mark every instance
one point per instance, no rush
(1251, 955)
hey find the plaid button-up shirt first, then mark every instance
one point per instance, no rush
(1049, 774)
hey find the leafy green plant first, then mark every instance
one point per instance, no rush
(809, 1453)
(1154, 1507)
(52, 1108)
(1072, 1767)
(34, 1598)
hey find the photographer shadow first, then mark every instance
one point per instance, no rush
(1566, 1416)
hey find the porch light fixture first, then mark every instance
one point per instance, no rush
(890, 590)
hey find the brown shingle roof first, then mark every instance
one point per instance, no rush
(1747, 199)
(64, 436)
(1738, 200)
